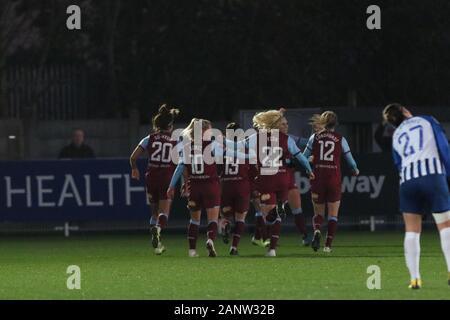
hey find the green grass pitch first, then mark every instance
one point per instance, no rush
(124, 267)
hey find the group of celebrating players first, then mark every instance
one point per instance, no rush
(224, 176)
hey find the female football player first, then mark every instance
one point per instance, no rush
(158, 146)
(261, 236)
(273, 148)
(326, 148)
(236, 178)
(294, 203)
(199, 156)
(422, 155)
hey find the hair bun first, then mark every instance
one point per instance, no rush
(233, 126)
(174, 112)
(163, 109)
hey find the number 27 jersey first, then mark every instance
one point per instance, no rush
(415, 148)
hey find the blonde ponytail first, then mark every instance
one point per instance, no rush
(268, 120)
(326, 120)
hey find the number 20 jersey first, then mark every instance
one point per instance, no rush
(159, 148)
(160, 165)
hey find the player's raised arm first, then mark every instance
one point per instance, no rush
(239, 145)
(302, 143)
(219, 151)
(295, 152)
(349, 157)
(138, 151)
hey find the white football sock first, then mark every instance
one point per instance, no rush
(445, 243)
(412, 253)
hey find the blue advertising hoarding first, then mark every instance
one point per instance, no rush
(67, 190)
(95, 190)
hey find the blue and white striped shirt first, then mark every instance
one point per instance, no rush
(420, 148)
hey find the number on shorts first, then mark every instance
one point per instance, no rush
(326, 150)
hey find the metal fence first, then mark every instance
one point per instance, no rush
(56, 92)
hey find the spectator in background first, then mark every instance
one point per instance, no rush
(77, 149)
(383, 136)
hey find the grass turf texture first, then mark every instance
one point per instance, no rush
(124, 267)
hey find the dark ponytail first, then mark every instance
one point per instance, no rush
(233, 126)
(393, 114)
(164, 119)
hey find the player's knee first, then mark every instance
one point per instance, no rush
(315, 197)
(192, 205)
(441, 218)
(226, 209)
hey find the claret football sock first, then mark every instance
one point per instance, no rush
(299, 219)
(317, 221)
(332, 227)
(272, 216)
(193, 234)
(259, 227)
(275, 236)
(267, 232)
(212, 230)
(274, 222)
(162, 220)
(238, 230)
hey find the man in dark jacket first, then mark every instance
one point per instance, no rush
(77, 149)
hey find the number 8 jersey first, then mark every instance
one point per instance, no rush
(420, 148)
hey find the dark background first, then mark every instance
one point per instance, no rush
(214, 57)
